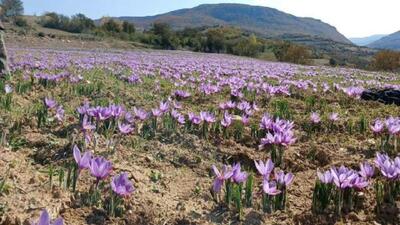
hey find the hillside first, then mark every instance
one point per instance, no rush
(261, 20)
(391, 41)
(364, 41)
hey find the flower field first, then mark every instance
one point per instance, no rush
(170, 137)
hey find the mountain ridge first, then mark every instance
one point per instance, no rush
(391, 41)
(364, 41)
(266, 21)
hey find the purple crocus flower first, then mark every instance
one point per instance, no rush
(207, 117)
(86, 125)
(333, 117)
(44, 219)
(164, 107)
(366, 170)
(100, 168)
(140, 114)
(343, 177)
(60, 113)
(315, 118)
(104, 113)
(50, 103)
(121, 185)
(377, 127)
(325, 178)
(84, 108)
(265, 169)
(387, 166)
(360, 183)
(284, 179)
(83, 162)
(227, 105)
(269, 188)
(156, 112)
(227, 120)
(245, 119)
(221, 177)
(266, 122)
(238, 176)
(129, 117)
(116, 110)
(182, 94)
(194, 118)
(125, 128)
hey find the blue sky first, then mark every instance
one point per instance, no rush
(353, 18)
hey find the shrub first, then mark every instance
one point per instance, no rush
(128, 27)
(386, 60)
(77, 24)
(297, 54)
(20, 21)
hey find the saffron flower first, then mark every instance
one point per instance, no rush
(315, 118)
(207, 117)
(125, 128)
(325, 178)
(366, 170)
(284, 179)
(387, 166)
(238, 176)
(377, 127)
(121, 185)
(50, 103)
(333, 117)
(100, 168)
(60, 113)
(164, 107)
(269, 188)
(156, 112)
(265, 169)
(194, 118)
(227, 120)
(220, 178)
(140, 114)
(83, 161)
(44, 219)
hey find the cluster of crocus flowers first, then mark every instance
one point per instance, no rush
(338, 186)
(274, 185)
(238, 182)
(180, 94)
(233, 178)
(53, 107)
(100, 168)
(386, 187)
(279, 135)
(45, 219)
(354, 92)
(389, 132)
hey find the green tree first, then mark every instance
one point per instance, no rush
(215, 40)
(12, 8)
(112, 26)
(80, 23)
(128, 27)
(165, 37)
